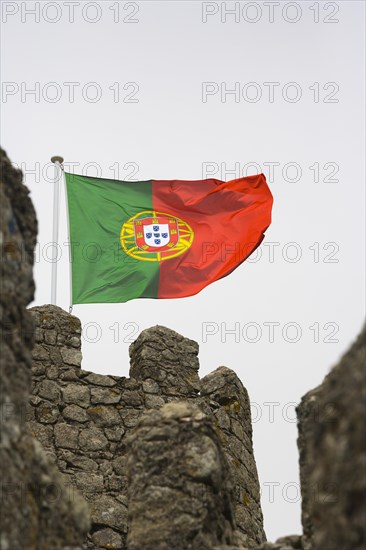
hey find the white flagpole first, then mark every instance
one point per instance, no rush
(56, 214)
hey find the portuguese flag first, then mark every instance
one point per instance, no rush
(160, 239)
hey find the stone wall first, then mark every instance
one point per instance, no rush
(83, 419)
(332, 447)
(38, 511)
(180, 490)
(332, 456)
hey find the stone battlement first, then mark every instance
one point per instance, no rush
(83, 419)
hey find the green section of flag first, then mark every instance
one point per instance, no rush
(101, 271)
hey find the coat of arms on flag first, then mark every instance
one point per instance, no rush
(155, 236)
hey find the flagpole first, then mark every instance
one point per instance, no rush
(57, 161)
(69, 242)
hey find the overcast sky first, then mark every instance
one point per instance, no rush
(189, 90)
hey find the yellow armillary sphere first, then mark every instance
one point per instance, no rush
(155, 236)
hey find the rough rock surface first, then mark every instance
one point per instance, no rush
(38, 511)
(332, 446)
(291, 542)
(84, 418)
(180, 490)
(226, 402)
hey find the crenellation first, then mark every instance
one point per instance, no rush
(91, 416)
(230, 409)
(179, 487)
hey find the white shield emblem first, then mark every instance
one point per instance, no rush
(157, 234)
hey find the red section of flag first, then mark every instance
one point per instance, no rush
(228, 220)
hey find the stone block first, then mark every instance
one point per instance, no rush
(77, 394)
(104, 416)
(92, 439)
(49, 390)
(76, 413)
(66, 436)
(105, 395)
(50, 337)
(47, 413)
(99, 379)
(107, 538)
(40, 353)
(71, 356)
(106, 510)
(89, 483)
